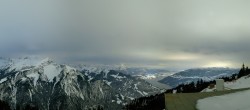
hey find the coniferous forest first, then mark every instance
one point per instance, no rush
(157, 102)
(5, 106)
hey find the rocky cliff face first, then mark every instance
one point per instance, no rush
(51, 86)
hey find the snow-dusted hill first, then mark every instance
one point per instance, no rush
(234, 101)
(196, 74)
(51, 86)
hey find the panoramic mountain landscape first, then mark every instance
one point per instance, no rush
(44, 84)
(124, 55)
(47, 85)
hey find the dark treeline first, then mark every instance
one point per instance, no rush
(157, 102)
(5, 106)
(27, 107)
(153, 102)
(99, 107)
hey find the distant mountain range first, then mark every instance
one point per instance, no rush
(163, 78)
(140, 72)
(190, 75)
(50, 86)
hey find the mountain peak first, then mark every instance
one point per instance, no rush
(24, 62)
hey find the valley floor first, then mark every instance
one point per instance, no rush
(155, 82)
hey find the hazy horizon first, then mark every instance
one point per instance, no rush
(157, 34)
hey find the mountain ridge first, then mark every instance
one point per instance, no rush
(195, 74)
(52, 86)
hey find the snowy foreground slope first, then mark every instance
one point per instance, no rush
(51, 86)
(234, 101)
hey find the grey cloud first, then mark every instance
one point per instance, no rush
(116, 31)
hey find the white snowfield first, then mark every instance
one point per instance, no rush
(233, 101)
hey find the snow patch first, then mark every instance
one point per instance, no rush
(209, 90)
(122, 96)
(90, 78)
(140, 92)
(149, 76)
(106, 71)
(3, 80)
(118, 101)
(106, 75)
(136, 86)
(57, 80)
(107, 82)
(131, 98)
(117, 76)
(145, 93)
(51, 71)
(35, 76)
(23, 79)
(30, 95)
(101, 91)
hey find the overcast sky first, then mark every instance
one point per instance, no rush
(152, 33)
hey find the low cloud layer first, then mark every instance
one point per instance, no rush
(153, 33)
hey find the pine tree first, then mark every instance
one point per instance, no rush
(242, 71)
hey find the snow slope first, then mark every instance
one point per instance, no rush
(243, 82)
(234, 101)
(52, 71)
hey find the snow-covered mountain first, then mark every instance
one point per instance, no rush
(51, 86)
(196, 74)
